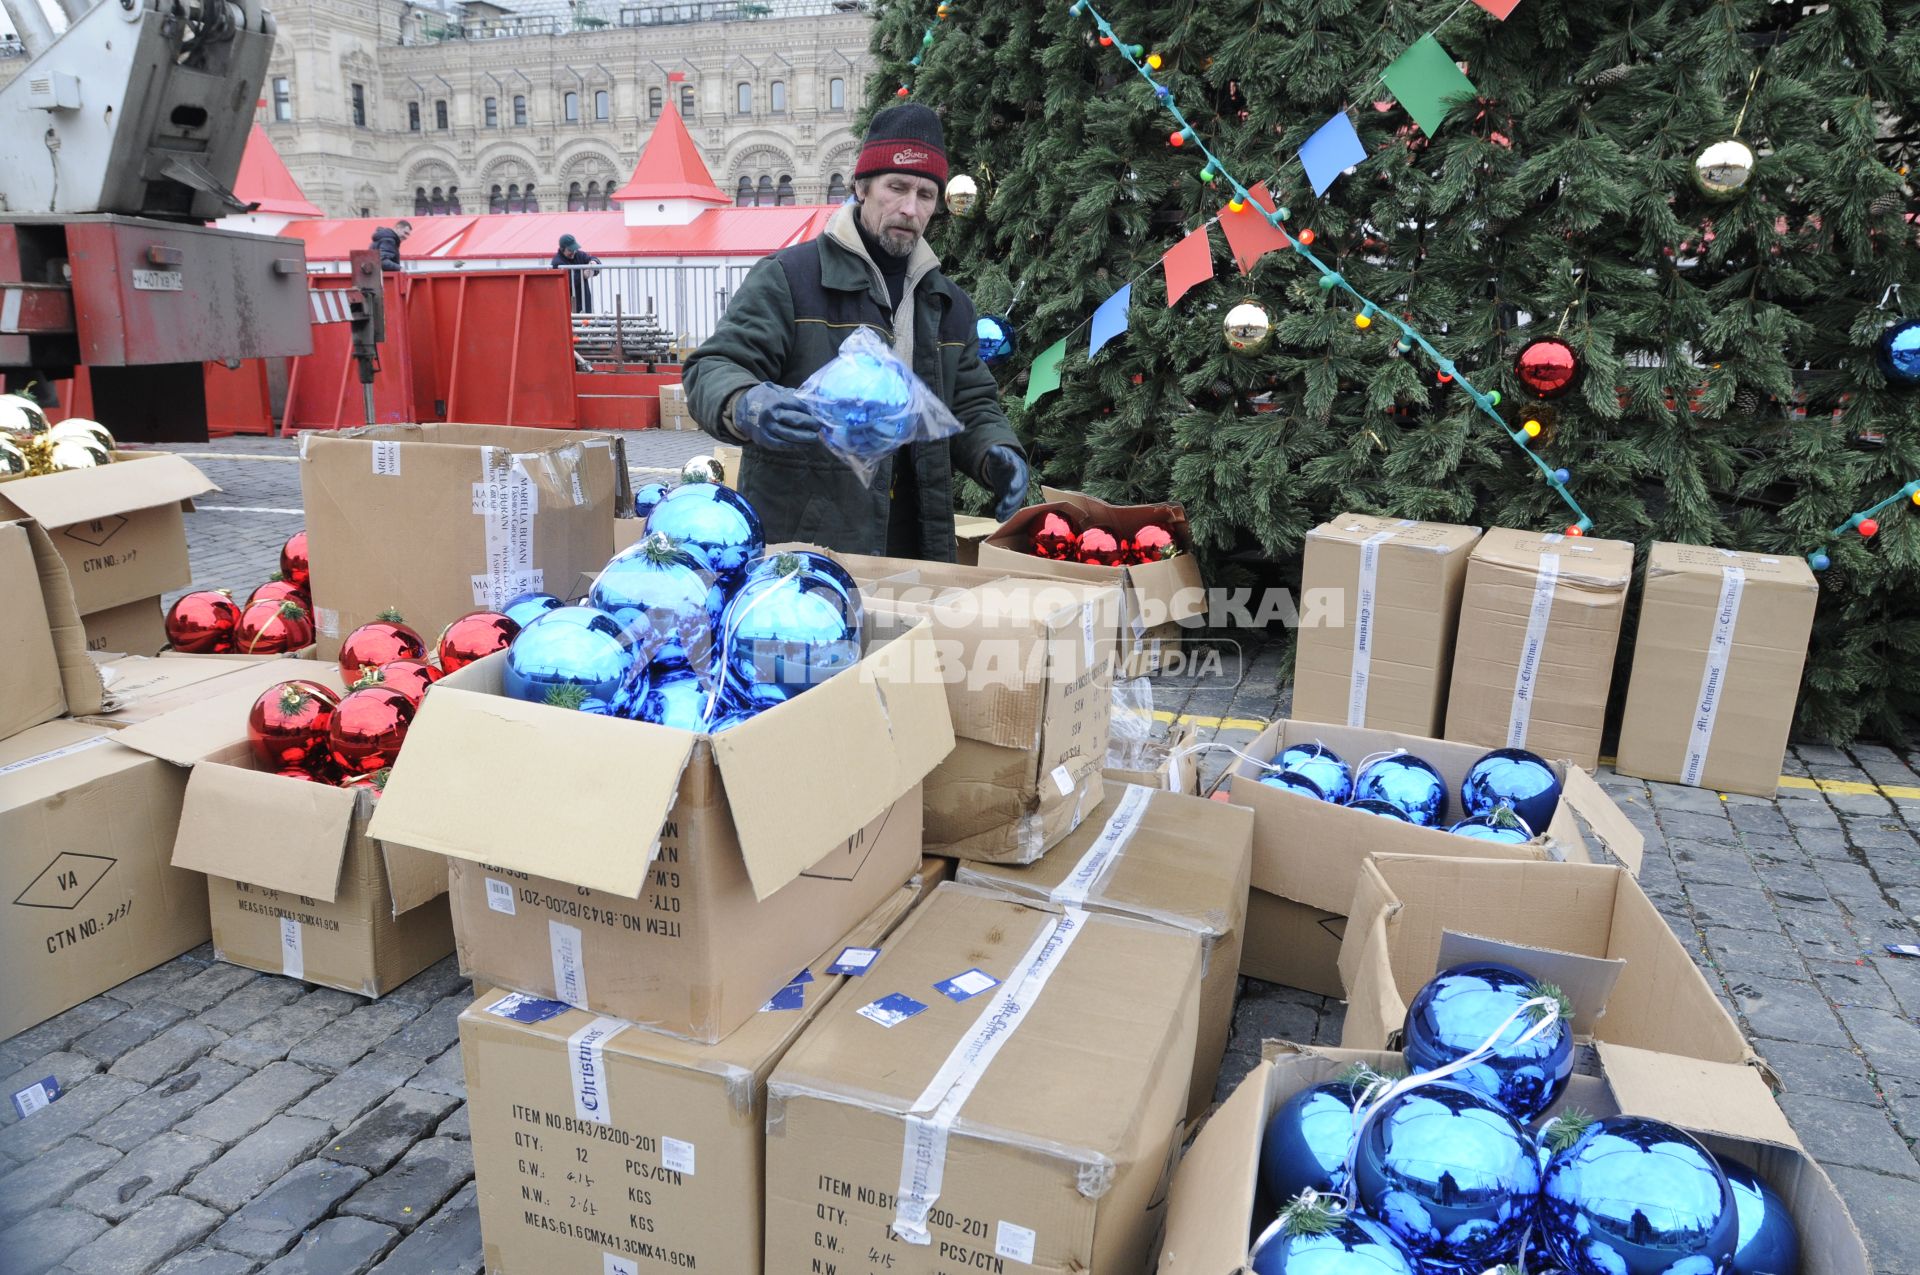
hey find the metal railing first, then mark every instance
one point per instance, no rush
(433, 29)
(632, 312)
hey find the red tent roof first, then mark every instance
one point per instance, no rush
(264, 180)
(670, 166)
(716, 232)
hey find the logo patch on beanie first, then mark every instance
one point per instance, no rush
(911, 155)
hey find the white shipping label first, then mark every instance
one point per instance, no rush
(1013, 1242)
(499, 896)
(386, 459)
(329, 621)
(579, 496)
(587, 1063)
(569, 965)
(677, 1155)
(1063, 780)
(1363, 621)
(293, 956)
(507, 503)
(1526, 678)
(1713, 678)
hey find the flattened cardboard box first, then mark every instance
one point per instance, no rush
(1539, 624)
(141, 688)
(592, 1137)
(118, 528)
(437, 520)
(1163, 857)
(1311, 851)
(133, 628)
(44, 669)
(1212, 1218)
(1716, 667)
(295, 884)
(1042, 1110)
(1380, 598)
(86, 834)
(627, 858)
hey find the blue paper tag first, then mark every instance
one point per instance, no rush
(855, 961)
(892, 1010)
(964, 987)
(804, 976)
(1903, 949)
(41, 1093)
(792, 996)
(522, 1008)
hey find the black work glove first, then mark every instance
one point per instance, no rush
(1004, 471)
(773, 416)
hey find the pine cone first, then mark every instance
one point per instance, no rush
(1887, 203)
(1611, 76)
(1747, 402)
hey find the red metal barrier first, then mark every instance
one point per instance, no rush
(323, 389)
(615, 397)
(239, 400)
(501, 347)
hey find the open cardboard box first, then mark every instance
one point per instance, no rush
(45, 672)
(296, 884)
(141, 688)
(659, 876)
(1212, 1221)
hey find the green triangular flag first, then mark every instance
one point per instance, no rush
(1044, 376)
(1426, 82)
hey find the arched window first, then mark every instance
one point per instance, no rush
(653, 104)
(743, 197)
(602, 104)
(837, 189)
(529, 201)
(596, 198)
(437, 201)
(743, 98)
(777, 97)
(686, 100)
(783, 196)
(493, 112)
(836, 94)
(570, 108)
(576, 199)
(513, 198)
(420, 205)
(496, 200)
(519, 110)
(764, 194)
(453, 200)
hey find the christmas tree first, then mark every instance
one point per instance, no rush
(1729, 391)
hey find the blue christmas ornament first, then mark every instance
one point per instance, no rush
(575, 657)
(1457, 1011)
(1329, 1245)
(866, 401)
(646, 496)
(1489, 828)
(1307, 1139)
(1333, 777)
(1405, 782)
(528, 607)
(1292, 781)
(997, 341)
(1385, 809)
(666, 596)
(1897, 354)
(1769, 1242)
(787, 628)
(821, 564)
(1516, 779)
(1450, 1173)
(717, 521)
(676, 699)
(1633, 1196)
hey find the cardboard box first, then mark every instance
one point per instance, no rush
(674, 414)
(1716, 667)
(1028, 686)
(1379, 601)
(86, 834)
(436, 520)
(1594, 924)
(1293, 945)
(1172, 763)
(44, 669)
(1539, 623)
(1035, 1119)
(296, 885)
(1158, 595)
(118, 528)
(1163, 857)
(141, 688)
(1312, 851)
(133, 628)
(968, 532)
(1211, 1217)
(729, 457)
(667, 878)
(592, 1137)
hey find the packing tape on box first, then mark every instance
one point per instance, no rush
(1363, 620)
(507, 501)
(1106, 849)
(54, 755)
(587, 1067)
(1526, 677)
(1713, 679)
(923, 1158)
(293, 949)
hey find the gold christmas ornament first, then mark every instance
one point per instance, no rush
(13, 459)
(21, 415)
(76, 452)
(963, 194)
(1247, 328)
(704, 469)
(1723, 170)
(81, 427)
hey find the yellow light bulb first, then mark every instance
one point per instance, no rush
(1532, 429)
(1362, 322)
(1154, 61)
(1237, 204)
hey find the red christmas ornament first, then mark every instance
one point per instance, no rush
(378, 642)
(1153, 543)
(272, 628)
(293, 560)
(1056, 537)
(278, 591)
(368, 728)
(203, 623)
(1099, 547)
(1547, 367)
(1575, 531)
(474, 637)
(410, 677)
(287, 725)
(1869, 526)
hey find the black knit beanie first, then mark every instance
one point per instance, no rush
(904, 139)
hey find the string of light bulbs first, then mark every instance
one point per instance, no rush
(927, 38)
(1866, 523)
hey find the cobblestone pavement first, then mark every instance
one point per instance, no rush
(222, 1122)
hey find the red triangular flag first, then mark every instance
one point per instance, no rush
(1188, 262)
(1499, 8)
(1251, 235)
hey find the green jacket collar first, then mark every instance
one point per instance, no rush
(850, 269)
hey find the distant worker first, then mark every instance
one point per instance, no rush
(576, 261)
(386, 241)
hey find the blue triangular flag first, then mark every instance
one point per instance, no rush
(1110, 320)
(1333, 148)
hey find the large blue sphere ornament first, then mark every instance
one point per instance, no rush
(528, 607)
(1385, 809)
(997, 341)
(1349, 1245)
(1405, 782)
(1457, 1011)
(820, 564)
(1307, 1138)
(1292, 781)
(646, 496)
(1516, 779)
(1489, 828)
(1769, 1242)
(666, 596)
(678, 699)
(1897, 353)
(717, 521)
(575, 657)
(1333, 777)
(1633, 1196)
(867, 404)
(787, 628)
(1450, 1173)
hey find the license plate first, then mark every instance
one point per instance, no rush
(157, 281)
